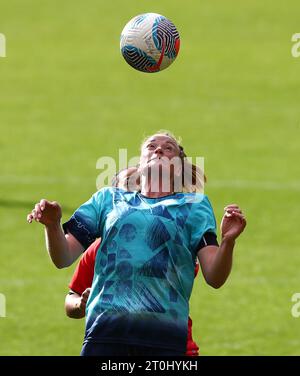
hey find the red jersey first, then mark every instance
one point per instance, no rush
(83, 278)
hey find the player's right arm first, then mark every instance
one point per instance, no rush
(63, 249)
(75, 304)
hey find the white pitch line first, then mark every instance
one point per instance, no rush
(31, 180)
(217, 184)
(255, 185)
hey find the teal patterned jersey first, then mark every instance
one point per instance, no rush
(144, 269)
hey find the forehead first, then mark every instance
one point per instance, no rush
(161, 138)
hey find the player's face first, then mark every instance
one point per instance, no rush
(157, 150)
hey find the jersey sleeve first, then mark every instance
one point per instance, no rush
(203, 225)
(84, 272)
(85, 223)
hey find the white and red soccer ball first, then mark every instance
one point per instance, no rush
(150, 42)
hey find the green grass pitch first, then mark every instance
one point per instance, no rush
(67, 97)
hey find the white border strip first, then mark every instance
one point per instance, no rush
(214, 184)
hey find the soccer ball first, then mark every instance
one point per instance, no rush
(150, 42)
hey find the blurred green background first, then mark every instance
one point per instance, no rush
(67, 97)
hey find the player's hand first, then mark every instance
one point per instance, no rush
(84, 298)
(233, 222)
(46, 212)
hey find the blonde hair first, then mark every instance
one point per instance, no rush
(131, 178)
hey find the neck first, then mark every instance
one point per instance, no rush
(159, 191)
(155, 194)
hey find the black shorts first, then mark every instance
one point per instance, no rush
(119, 349)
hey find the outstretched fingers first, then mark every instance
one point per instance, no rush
(237, 215)
(29, 218)
(232, 209)
(43, 203)
(36, 213)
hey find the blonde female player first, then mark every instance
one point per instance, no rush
(144, 270)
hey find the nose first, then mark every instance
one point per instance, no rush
(158, 150)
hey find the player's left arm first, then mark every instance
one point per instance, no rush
(216, 261)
